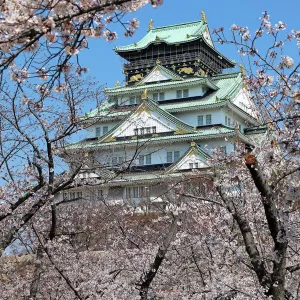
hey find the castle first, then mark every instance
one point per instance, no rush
(180, 102)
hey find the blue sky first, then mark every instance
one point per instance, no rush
(106, 66)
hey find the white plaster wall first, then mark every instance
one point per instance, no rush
(191, 118)
(242, 101)
(209, 145)
(185, 164)
(169, 94)
(143, 120)
(159, 153)
(91, 131)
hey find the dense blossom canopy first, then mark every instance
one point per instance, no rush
(231, 234)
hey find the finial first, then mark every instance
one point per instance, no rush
(193, 144)
(158, 62)
(150, 26)
(144, 95)
(217, 99)
(117, 83)
(203, 18)
(242, 70)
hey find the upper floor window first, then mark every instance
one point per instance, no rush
(132, 100)
(194, 165)
(173, 156)
(200, 121)
(144, 130)
(137, 191)
(105, 129)
(208, 119)
(182, 93)
(159, 96)
(141, 160)
(223, 150)
(145, 159)
(98, 131)
(185, 93)
(179, 94)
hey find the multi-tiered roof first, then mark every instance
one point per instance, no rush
(167, 59)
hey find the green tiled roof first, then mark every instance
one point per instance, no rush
(161, 86)
(151, 177)
(223, 86)
(201, 134)
(227, 86)
(173, 34)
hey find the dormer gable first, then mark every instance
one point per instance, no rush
(159, 73)
(147, 119)
(194, 158)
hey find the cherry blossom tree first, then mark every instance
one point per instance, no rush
(41, 98)
(232, 233)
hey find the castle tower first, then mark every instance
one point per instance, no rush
(161, 126)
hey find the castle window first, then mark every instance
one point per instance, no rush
(161, 96)
(154, 129)
(136, 131)
(98, 131)
(141, 160)
(169, 157)
(200, 121)
(114, 160)
(142, 130)
(182, 93)
(208, 120)
(148, 130)
(229, 122)
(173, 156)
(148, 159)
(176, 155)
(135, 192)
(179, 94)
(191, 165)
(132, 100)
(185, 93)
(105, 129)
(223, 150)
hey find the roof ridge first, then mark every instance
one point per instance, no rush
(175, 25)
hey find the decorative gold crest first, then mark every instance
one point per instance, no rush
(203, 16)
(186, 70)
(144, 95)
(136, 77)
(150, 26)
